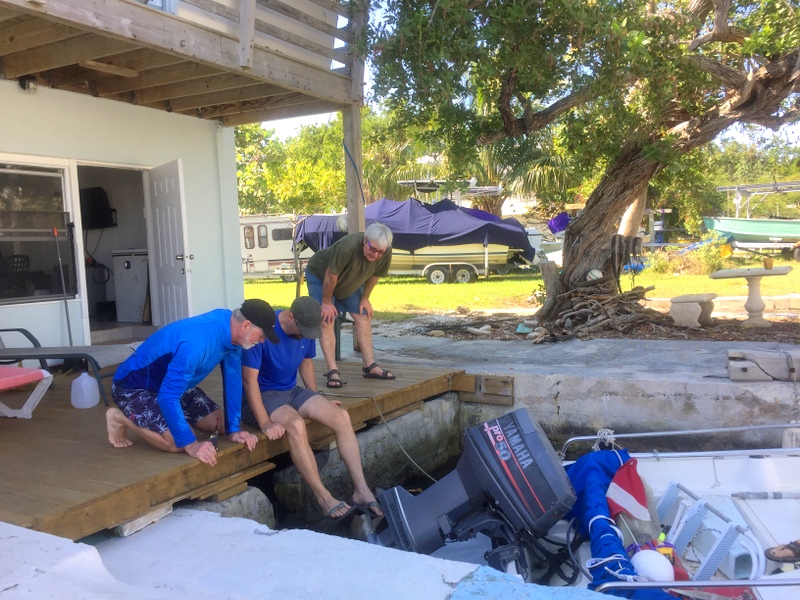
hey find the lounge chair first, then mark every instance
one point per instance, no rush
(96, 357)
(14, 377)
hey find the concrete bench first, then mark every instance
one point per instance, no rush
(692, 310)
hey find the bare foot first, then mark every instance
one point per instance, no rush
(117, 425)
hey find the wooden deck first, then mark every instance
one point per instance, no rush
(59, 474)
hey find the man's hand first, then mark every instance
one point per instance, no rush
(328, 312)
(365, 308)
(244, 437)
(273, 430)
(202, 451)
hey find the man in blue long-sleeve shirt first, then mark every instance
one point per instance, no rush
(156, 387)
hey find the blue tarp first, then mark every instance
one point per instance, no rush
(416, 225)
(591, 475)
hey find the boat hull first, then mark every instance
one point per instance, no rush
(473, 254)
(756, 230)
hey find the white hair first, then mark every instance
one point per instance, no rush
(380, 234)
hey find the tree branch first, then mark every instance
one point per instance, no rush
(531, 121)
(722, 31)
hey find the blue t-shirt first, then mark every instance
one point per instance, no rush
(277, 364)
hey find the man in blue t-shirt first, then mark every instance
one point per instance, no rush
(277, 405)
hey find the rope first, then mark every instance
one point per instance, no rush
(408, 456)
(605, 437)
(358, 175)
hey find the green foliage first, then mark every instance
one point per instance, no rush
(257, 156)
(304, 174)
(703, 260)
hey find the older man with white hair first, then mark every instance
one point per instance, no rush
(341, 278)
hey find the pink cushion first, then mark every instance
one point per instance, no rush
(11, 377)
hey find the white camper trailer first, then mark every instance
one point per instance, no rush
(266, 243)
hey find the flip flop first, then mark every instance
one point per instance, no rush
(329, 515)
(385, 373)
(368, 508)
(794, 557)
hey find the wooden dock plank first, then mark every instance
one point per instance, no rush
(59, 474)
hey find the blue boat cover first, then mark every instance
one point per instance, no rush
(416, 225)
(591, 475)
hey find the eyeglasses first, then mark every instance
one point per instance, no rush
(377, 251)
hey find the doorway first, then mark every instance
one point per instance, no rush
(115, 252)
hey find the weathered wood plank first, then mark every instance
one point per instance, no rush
(242, 94)
(267, 28)
(214, 83)
(306, 19)
(61, 54)
(171, 74)
(292, 100)
(129, 21)
(271, 114)
(32, 33)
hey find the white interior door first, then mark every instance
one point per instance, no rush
(167, 243)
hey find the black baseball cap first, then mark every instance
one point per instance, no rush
(308, 315)
(260, 314)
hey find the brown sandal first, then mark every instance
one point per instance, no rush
(384, 374)
(334, 383)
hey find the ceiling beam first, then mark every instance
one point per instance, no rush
(242, 94)
(177, 73)
(61, 54)
(140, 60)
(130, 21)
(218, 82)
(31, 33)
(312, 108)
(257, 104)
(7, 13)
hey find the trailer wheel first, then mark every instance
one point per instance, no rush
(288, 278)
(438, 275)
(464, 275)
(797, 254)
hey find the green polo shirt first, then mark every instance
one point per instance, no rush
(346, 259)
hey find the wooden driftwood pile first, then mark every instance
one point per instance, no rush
(593, 306)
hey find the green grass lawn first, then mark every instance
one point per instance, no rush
(395, 298)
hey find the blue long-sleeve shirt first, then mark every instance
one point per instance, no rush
(179, 356)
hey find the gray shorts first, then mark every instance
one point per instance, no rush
(274, 399)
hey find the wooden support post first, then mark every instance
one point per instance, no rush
(247, 29)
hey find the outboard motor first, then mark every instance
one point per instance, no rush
(508, 484)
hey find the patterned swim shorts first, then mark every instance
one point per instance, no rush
(141, 407)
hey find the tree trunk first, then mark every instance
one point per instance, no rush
(632, 219)
(587, 243)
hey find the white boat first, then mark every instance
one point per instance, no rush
(711, 512)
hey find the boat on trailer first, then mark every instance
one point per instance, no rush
(515, 504)
(759, 234)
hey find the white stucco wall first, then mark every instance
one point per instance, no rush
(75, 127)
